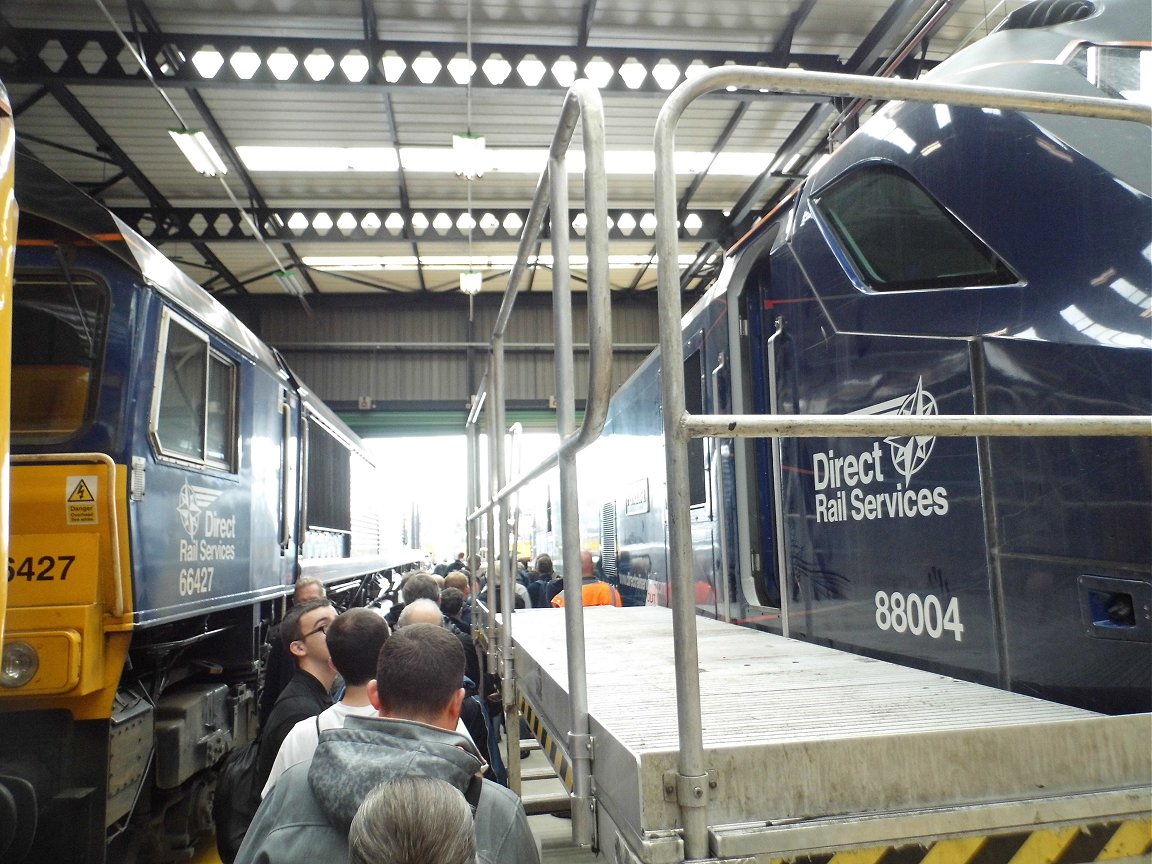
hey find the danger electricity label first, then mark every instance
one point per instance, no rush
(80, 498)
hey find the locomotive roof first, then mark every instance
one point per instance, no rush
(57, 204)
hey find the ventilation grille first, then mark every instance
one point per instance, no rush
(1046, 13)
(608, 540)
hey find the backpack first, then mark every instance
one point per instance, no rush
(237, 799)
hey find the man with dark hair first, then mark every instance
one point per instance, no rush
(458, 579)
(279, 665)
(418, 586)
(451, 602)
(354, 641)
(538, 587)
(306, 694)
(417, 691)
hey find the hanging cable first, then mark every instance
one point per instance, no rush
(468, 130)
(139, 57)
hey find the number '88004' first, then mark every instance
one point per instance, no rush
(918, 616)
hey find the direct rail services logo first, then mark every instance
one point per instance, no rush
(198, 513)
(843, 482)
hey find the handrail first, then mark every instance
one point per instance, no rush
(582, 103)
(692, 785)
(941, 425)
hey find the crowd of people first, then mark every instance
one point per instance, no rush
(540, 587)
(378, 735)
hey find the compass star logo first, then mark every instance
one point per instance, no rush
(910, 453)
(194, 500)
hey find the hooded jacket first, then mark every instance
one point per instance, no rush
(306, 816)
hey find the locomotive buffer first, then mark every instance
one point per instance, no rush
(813, 753)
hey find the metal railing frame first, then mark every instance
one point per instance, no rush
(679, 426)
(582, 103)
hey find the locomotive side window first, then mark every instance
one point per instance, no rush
(194, 414)
(1120, 70)
(57, 345)
(329, 517)
(901, 239)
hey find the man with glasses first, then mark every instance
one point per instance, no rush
(306, 817)
(306, 694)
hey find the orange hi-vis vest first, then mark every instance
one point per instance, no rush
(594, 594)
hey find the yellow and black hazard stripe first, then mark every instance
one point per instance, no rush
(1078, 844)
(548, 744)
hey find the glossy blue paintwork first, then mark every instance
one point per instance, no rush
(1021, 552)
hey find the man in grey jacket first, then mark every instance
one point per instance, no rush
(417, 691)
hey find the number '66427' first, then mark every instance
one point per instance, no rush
(43, 568)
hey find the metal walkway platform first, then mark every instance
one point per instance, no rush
(798, 736)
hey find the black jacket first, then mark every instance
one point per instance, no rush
(303, 697)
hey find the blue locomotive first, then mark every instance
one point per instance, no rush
(942, 260)
(171, 479)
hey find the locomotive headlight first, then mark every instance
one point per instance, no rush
(19, 665)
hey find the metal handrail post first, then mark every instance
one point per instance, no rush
(505, 573)
(493, 484)
(471, 529)
(692, 780)
(784, 581)
(582, 103)
(578, 735)
(692, 794)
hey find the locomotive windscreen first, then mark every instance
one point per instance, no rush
(57, 342)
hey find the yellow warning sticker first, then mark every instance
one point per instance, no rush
(80, 495)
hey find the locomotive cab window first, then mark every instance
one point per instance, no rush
(58, 329)
(194, 411)
(901, 239)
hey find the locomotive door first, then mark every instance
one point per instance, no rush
(705, 491)
(757, 460)
(289, 472)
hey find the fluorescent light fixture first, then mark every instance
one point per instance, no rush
(470, 264)
(366, 159)
(198, 150)
(289, 282)
(471, 281)
(468, 155)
